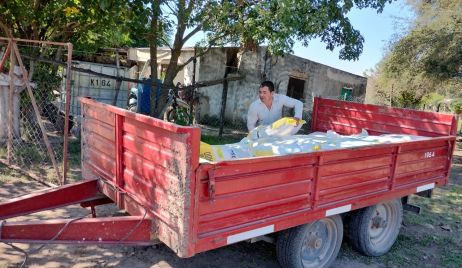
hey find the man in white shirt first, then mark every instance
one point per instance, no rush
(268, 108)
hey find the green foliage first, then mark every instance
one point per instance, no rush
(456, 106)
(279, 24)
(216, 140)
(88, 24)
(181, 116)
(406, 99)
(275, 23)
(432, 98)
(210, 120)
(214, 121)
(46, 82)
(428, 59)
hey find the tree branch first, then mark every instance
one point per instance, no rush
(6, 30)
(192, 33)
(202, 53)
(166, 42)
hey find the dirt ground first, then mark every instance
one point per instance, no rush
(432, 239)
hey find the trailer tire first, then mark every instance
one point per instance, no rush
(373, 230)
(314, 244)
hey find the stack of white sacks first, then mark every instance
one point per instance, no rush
(280, 139)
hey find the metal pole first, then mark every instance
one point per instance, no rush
(224, 96)
(391, 94)
(9, 146)
(33, 41)
(191, 105)
(66, 117)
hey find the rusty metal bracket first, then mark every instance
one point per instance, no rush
(211, 188)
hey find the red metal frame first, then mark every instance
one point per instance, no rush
(109, 230)
(83, 191)
(151, 169)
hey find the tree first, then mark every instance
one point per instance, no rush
(88, 24)
(247, 23)
(428, 58)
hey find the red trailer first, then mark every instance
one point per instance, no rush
(151, 169)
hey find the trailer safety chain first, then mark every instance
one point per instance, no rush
(135, 227)
(26, 254)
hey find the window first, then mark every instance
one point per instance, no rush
(295, 89)
(346, 93)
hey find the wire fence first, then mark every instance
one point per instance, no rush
(34, 126)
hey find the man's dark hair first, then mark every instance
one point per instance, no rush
(268, 84)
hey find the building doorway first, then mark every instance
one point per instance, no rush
(295, 89)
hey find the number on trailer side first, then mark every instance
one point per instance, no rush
(429, 154)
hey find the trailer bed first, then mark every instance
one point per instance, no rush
(151, 169)
(204, 206)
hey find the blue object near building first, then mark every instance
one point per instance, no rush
(143, 93)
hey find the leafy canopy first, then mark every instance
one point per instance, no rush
(280, 23)
(429, 58)
(89, 24)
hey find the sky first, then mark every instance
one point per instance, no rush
(377, 30)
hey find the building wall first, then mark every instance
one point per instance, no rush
(212, 66)
(320, 80)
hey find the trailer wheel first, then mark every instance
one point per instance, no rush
(373, 230)
(311, 245)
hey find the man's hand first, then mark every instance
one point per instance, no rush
(297, 120)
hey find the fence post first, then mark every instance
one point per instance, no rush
(67, 111)
(10, 106)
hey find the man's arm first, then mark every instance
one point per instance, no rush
(252, 117)
(293, 103)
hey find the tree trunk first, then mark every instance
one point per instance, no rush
(172, 69)
(118, 81)
(153, 50)
(168, 80)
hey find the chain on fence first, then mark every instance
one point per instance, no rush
(33, 126)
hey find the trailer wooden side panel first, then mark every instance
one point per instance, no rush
(350, 118)
(243, 199)
(236, 202)
(146, 166)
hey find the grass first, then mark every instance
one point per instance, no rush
(446, 203)
(422, 241)
(33, 160)
(215, 140)
(11, 176)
